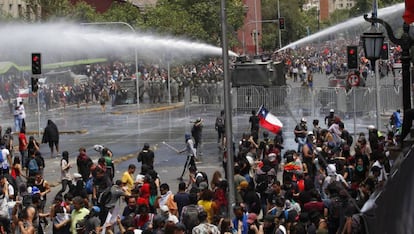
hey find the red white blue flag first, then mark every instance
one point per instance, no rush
(269, 121)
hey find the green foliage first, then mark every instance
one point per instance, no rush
(44, 10)
(123, 12)
(83, 12)
(199, 19)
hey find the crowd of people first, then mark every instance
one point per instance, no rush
(319, 187)
(109, 83)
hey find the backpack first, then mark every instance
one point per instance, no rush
(220, 122)
(33, 167)
(334, 210)
(190, 217)
(105, 197)
(89, 186)
(1, 156)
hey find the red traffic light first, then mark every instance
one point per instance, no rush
(35, 58)
(385, 47)
(351, 51)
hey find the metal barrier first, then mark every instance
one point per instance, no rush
(303, 101)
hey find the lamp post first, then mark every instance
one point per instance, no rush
(278, 16)
(406, 42)
(228, 110)
(372, 42)
(256, 32)
(135, 50)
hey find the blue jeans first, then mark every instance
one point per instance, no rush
(301, 143)
(16, 124)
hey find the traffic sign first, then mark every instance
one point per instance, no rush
(353, 80)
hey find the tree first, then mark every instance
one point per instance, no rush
(196, 19)
(123, 12)
(83, 12)
(44, 10)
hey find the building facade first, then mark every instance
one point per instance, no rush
(17, 9)
(250, 34)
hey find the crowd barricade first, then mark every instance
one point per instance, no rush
(303, 101)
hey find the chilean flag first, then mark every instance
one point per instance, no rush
(269, 121)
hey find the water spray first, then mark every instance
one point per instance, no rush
(68, 41)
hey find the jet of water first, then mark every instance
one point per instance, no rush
(64, 41)
(352, 27)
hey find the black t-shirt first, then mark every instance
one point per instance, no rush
(147, 157)
(254, 121)
(301, 127)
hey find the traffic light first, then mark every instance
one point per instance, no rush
(35, 84)
(352, 53)
(281, 23)
(36, 63)
(384, 51)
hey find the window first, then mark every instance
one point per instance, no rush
(20, 10)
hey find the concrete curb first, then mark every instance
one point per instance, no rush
(155, 109)
(81, 131)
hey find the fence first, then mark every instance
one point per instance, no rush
(303, 101)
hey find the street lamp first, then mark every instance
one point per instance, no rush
(135, 48)
(406, 42)
(372, 42)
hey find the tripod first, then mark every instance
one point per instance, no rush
(188, 163)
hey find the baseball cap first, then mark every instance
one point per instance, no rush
(251, 218)
(310, 133)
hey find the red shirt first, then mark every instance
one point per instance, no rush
(22, 142)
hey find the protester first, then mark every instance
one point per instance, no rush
(51, 136)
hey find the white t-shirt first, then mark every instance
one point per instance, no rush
(64, 173)
(5, 153)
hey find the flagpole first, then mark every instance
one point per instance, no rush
(260, 108)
